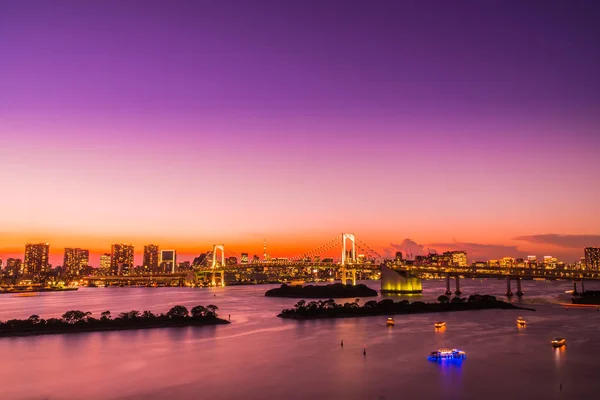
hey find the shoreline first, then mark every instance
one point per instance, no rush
(90, 329)
(330, 309)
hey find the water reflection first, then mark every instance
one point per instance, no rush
(559, 354)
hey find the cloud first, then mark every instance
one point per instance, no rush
(480, 251)
(408, 246)
(567, 241)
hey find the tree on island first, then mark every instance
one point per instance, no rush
(443, 299)
(199, 311)
(212, 310)
(105, 316)
(34, 319)
(73, 316)
(178, 312)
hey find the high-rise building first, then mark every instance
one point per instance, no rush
(184, 266)
(459, 258)
(13, 267)
(121, 258)
(592, 258)
(150, 263)
(244, 259)
(168, 261)
(105, 263)
(75, 260)
(36, 258)
(84, 258)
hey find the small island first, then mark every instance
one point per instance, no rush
(591, 297)
(331, 309)
(76, 321)
(336, 290)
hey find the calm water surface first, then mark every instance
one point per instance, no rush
(260, 356)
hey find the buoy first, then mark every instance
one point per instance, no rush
(365, 350)
(342, 343)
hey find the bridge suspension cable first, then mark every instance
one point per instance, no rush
(368, 249)
(321, 249)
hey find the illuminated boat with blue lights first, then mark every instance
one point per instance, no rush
(559, 342)
(443, 354)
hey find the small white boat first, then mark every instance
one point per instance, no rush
(559, 342)
(390, 321)
(440, 324)
(521, 321)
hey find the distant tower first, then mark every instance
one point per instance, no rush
(266, 256)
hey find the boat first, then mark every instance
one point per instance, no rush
(390, 321)
(521, 321)
(440, 324)
(442, 354)
(559, 342)
(26, 294)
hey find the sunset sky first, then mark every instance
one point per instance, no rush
(439, 125)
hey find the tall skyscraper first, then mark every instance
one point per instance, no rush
(36, 258)
(75, 260)
(244, 258)
(592, 258)
(168, 261)
(84, 258)
(105, 263)
(150, 263)
(121, 258)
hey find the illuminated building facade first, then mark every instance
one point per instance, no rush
(459, 258)
(105, 263)
(36, 259)
(244, 259)
(13, 267)
(393, 281)
(75, 260)
(121, 259)
(150, 263)
(168, 261)
(592, 258)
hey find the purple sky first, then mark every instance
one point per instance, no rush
(189, 123)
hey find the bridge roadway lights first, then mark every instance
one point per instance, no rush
(508, 291)
(448, 291)
(519, 291)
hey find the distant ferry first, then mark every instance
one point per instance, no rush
(446, 353)
(521, 321)
(27, 294)
(390, 321)
(559, 342)
(440, 324)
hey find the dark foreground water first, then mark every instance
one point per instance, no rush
(260, 356)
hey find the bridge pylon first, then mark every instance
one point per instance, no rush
(215, 265)
(348, 261)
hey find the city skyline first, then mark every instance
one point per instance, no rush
(392, 122)
(409, 248)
